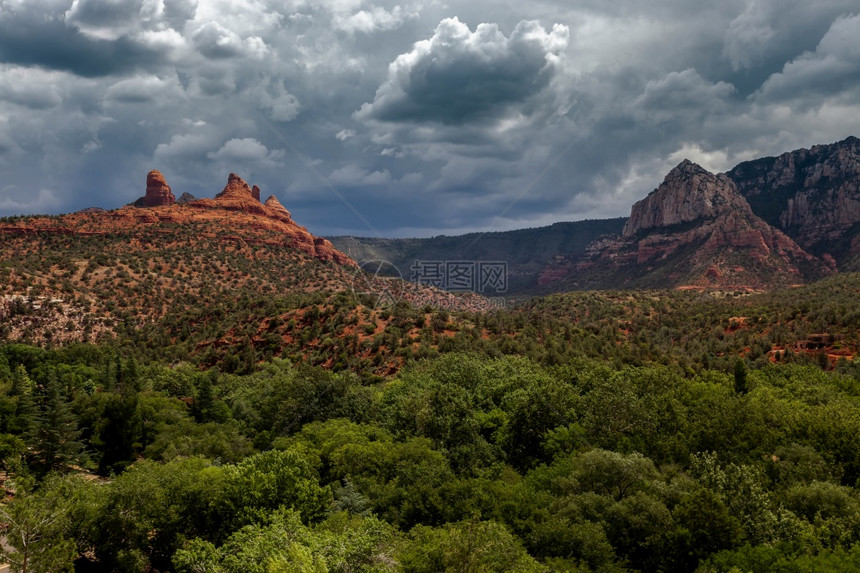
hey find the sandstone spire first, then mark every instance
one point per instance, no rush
(158, 192)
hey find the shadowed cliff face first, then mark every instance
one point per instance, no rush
(811, 194)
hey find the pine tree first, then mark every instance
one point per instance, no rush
(54, 434)
(119, 433)
(5, 371)
(741, 383)
(204, 400)
(22, 388)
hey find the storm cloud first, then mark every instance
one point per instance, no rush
(410, 118)
(459, 76)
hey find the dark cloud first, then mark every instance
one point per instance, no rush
(831, 70)
(103, 14)
(767, 33)
(425, 117)
(36, 33)
(460, 76)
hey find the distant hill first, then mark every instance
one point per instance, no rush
(211, 278)
(231, 281)
(527, 252)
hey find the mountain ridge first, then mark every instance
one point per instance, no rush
(235, 208)
(812, 194)
(769, 207)
(699, 228)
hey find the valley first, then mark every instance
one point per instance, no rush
(202, 384)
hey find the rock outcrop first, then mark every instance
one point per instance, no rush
(689, 193)
(158, 193)
(236, 196)
(185, 198)
(280, 211)
(813, 195)
(694, 230)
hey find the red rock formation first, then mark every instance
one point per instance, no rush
(279, 210)
(158, 192)
(324, 250)
(238, 206)
(236, 189)
(236, 196)
(695, 229)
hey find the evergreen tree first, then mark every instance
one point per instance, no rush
(204, 399)
(54, 434)
(741, 383)
(20, 422)
(132, 378)
(119, 434)
(5, 371)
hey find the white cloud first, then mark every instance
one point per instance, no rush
(748, 36)
(216, 41)
(679, 95)
(355, 176)
(272, 96)
(716, 161)
(28, 87)
(105, 19)
(146, 89)
(345, 134)
(90, 146)
(244, 151)
(372, 19)
(183, 147)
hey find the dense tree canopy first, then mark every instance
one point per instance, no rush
(464, 462)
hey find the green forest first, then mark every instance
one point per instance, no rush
(638, 431)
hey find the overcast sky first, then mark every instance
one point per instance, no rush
(411, 119)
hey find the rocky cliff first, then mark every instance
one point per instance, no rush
(813, 195)
(237, 195)
(688, 194)
(694, 230)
